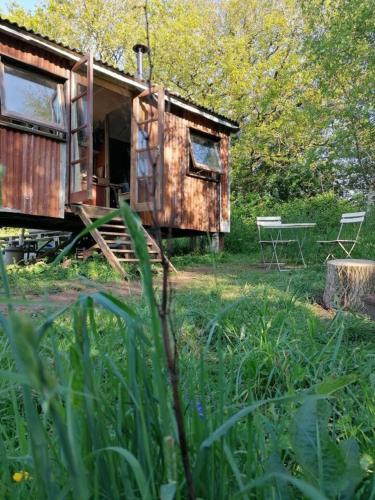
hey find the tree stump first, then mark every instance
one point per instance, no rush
(369, 301)
(348, 281)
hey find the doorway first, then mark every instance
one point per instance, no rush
(111, 147)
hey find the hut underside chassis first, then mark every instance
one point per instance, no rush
(72, 223)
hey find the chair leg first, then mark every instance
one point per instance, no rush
(328, 257)
(262, 253)
(301, 254)
(348, 252)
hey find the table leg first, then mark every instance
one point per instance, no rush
(274, 254)
(300, 244)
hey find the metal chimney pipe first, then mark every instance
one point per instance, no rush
(140, 49)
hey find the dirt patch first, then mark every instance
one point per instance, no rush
(33, 303)
(67, 292)
(322, 312)
(195, 277)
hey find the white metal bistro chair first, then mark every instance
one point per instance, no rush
(350, 225)
(266, 238)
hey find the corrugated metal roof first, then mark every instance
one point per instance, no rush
(5, 21)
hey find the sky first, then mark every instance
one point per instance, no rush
(28, 4)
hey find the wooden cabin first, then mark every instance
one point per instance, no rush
(77, 136)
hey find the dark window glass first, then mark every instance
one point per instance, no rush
(32, 96)
(144, 168)
(79, 112)
(79, 146)
(205, 152)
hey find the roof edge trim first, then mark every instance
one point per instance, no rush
(50, 46)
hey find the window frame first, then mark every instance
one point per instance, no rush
(52, 126)
(201, 167)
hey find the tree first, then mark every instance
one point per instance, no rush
(298, 76)
(340, 45)
(108, 27)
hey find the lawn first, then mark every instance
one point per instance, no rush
(278, 393)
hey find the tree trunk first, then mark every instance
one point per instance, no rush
(369, 301)
(348, 281)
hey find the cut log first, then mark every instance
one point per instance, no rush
(369, 301)
(348, 282)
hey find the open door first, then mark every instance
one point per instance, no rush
(81, 137)
(147, 150)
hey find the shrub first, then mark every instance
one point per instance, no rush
(324, 209)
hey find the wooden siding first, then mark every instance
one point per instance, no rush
(33, 174)
(225, 185)
(189, 202)
(35, 166)
(35, 56)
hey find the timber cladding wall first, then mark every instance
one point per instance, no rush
(35, 166)
(33, 175)
(190, 202)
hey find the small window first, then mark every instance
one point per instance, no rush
(205, 153)
(31, 96)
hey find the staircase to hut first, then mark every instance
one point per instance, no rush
(113, 239)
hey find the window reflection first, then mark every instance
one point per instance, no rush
(79, 146)
(79, 176)
(205, 151)
(32, 96)
(79, 112)
(143, 164)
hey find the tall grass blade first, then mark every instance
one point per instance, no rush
(135, 467)
(306, 489)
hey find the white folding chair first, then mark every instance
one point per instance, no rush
(266, 238)
(350, 225)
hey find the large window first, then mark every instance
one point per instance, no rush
(205, 154)
(30, 96)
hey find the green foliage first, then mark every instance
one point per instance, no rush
(334, 469)
(88, 25)
(339, 46)
(47, 278)
(298, 76)
(87, 410)
(86, 406)
(209, 259)
(325, 210)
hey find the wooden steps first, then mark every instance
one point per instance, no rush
(112, 238)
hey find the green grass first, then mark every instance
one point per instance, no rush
(278, 394)
(41, 277)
